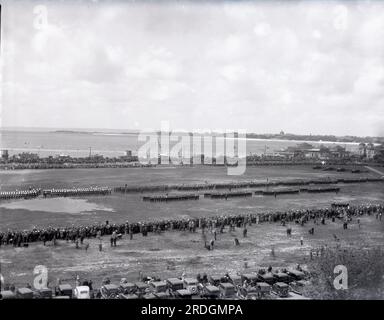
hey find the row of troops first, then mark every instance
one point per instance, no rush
(63, 192)
(212, 224)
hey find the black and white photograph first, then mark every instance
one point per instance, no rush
(212, 152)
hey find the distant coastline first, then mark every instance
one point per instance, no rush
(251, 136)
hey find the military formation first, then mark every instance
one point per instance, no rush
(77, 192)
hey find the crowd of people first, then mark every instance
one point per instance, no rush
(214, 224)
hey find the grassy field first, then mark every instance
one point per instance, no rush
(118, 208)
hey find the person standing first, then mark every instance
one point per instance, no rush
(301, 240)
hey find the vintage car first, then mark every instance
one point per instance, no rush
(282, 277)
(235, 280)
(191, 284)
(7, 294)
(263, 288)
(227, 290)
(281, 289)
(298, 286)
(210, 292)
(158, 286)
(127, 288)
(45, 293)
(83, 292)
(183, 294)
(248, 293)
(109, 291)
(296, 275)
(64, 289)
(175, 284)
(250, 278)
(214, 280)
(266, 277)
(141, 288)
(24, 293)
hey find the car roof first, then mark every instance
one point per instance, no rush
(227, 285)
(184, 292)
(127, 284)
(190, 280)
(81, 288)
(141, 284)
(175, 281)
(111, 286)
(159, 283)
(263, 284)
(281, 284)
(24, 290)
(212, 288)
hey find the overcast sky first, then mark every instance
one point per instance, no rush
(299, 67)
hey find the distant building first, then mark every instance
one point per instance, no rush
(370, 151)
(362, 150)
(128, 153)
(367, 150)
(4, 154)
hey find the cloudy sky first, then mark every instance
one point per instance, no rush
(302, 67)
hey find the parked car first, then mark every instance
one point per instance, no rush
(263, 288)
(24, 293)
(250, 278)
(109, 291)
(141, 288)
(158, 286)
(282, 277)
(248, 293)
(191, 284)
(281, 289)
(296, 275)
(45, 293)
(227, 290)
(127, 288)
(298, 286)
(183, 294)
(83, 292)
(235, 280)
(214, 280)
(210, 292)
(175, 284)
(64, 289)
(266, 277)
(8, 294)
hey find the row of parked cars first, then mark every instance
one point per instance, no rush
(246, 286)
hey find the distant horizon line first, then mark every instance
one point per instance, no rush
(90, 130)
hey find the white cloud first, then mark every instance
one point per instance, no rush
(299, 66)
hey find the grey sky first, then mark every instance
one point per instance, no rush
(300, 67)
